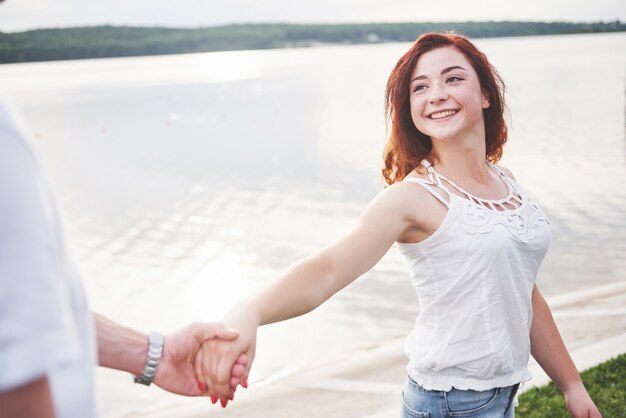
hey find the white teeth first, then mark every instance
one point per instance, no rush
(444, 114)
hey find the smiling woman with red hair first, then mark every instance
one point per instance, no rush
(407, 146)
(472, 238)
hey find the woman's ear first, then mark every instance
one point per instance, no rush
(486, 103)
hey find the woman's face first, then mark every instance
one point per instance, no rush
(445, 96)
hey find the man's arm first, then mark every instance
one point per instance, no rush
(125, 349)
(30, 400)
(119, 347)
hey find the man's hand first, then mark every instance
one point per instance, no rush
(176, 371)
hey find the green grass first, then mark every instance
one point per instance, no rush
(606, 383)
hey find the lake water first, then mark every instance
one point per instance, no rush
(190, 181)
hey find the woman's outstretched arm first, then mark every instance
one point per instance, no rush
(311, 281)
(548, 349)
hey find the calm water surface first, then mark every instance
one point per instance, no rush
(190, 181)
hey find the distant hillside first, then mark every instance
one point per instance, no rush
(114, 41)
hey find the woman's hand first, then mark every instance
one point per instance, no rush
(219, 361)
(177, 373)
(580, 404)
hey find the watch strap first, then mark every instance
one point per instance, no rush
(155, 350)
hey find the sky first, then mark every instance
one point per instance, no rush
(18, 15)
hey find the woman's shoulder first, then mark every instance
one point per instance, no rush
(407, 196)
(417, 175)
(407, 185)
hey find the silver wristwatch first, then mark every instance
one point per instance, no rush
(155, 349)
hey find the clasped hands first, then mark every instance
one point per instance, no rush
(205, 359)
(223, 364)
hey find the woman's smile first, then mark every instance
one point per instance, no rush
(443, 114)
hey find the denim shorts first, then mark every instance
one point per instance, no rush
(418, 402)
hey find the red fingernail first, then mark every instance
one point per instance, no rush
(213, 399)
(224, 403)
(244, 382)
(201, 386)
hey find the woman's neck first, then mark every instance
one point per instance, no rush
(463, 163)
(463, 155)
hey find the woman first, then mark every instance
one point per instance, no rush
(472, 238)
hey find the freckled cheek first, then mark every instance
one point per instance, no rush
(417, 111)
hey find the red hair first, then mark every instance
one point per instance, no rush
(407, 146)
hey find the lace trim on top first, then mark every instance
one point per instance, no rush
(516, 211)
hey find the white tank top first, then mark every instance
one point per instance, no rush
(474, 278)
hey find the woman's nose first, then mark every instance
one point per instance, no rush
(438, 94)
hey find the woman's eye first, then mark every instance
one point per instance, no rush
(454, 78)
(419, 87)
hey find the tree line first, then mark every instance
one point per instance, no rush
(122, 41)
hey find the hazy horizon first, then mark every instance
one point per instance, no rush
(16, 16)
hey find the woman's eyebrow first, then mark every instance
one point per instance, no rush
(454, 67)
